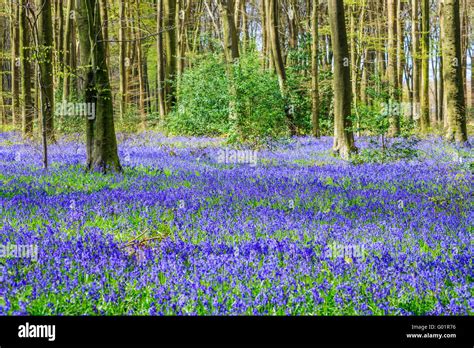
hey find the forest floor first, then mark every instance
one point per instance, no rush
(194, 227)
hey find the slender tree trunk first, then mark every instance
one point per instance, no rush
(123, 61)
(140, 64)
(425, 79)
(68, 45)
(169, 11)
(394, 115)
(46, 65)
(160, 62)
(452, 72)
(274, 41)
(26, 76)
(105, 28)
(416, 60)
(315, 72)
(59, 42)
(400, 46)
(245, 26)
(343, 136)
(231, 51)
(15, 63)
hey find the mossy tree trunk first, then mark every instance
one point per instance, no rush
(102, 154)
(45, 37)
(452, 72)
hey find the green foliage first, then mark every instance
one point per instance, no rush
(203, 100)
(259, 104)
(390, 150)
(205, 97)
(299, 90)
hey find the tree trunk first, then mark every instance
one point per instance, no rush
(452, 72)
(141, 74)
(15, 62)
(315, 72)
(26, 76)
(169, 11)
(68, 43)
(160, 62)
(123, 61)
(105, 28)
(231, 51)
(394, 114)
(343, 136)
(102, 152)
(272, 10)
(425, 79)
(416, 61)
(45, 36)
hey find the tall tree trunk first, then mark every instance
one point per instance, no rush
(231, 51)
(140, 64)
(160, 62)
(26, 76)
(273, 23)
(416, 60)
(102, 152)
(105, 28)
(59, 41)
(400, 46)
(315, 72)
(169, 11)
(452, 72)
(67, 49)
(394, 114)
(123, 61)
(425, 79)
(15, 62)
(45, 36)
(245, 26)
(343, 135)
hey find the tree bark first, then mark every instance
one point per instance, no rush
(394, 114)
(15, 63)
(416, 61)
(45, 36)
(67, 49)
(343, 135)
(425, 79)
(315, 72)
(272, 10)
(160, 62)
(169, 11)
(102, 152)
(452, 73)
(26, 76)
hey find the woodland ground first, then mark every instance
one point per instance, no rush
(187, 230)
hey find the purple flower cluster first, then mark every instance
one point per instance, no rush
(180, 233)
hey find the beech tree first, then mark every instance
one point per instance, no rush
(452, 72)
(101, 143)
(343, 134)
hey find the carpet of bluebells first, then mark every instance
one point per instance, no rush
(299, 232)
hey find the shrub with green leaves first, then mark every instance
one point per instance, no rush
(205, 98)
